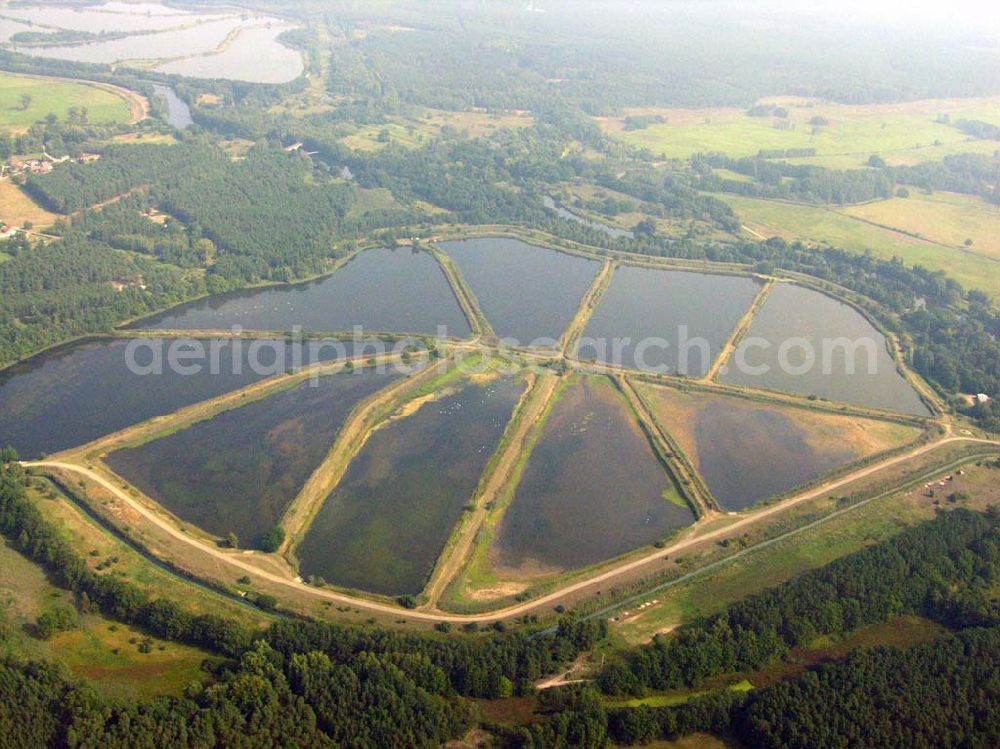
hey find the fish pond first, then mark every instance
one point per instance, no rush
(592, 488)
(218, 43)
(748, 452)
(383, 527)
(198, 39)
(666, 321)
(804, 342)
(109, 17)
(239, 471)
(398, 290)
(73, 395)
(529, 294)
(243, 59)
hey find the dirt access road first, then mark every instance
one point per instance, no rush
(520, 609)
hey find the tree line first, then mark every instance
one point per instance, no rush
(304, 682)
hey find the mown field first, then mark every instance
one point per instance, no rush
(814, 224)
(16, 207)
(902, 133)
(945, 217)
(49, 96)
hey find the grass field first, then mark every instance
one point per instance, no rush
(99, 649)
(16, 207)
(57, 97)
(820, 226)
(371, 200)
(711, 592)
(413, 133)
(902, 133)
(945, 217)
(680, 698)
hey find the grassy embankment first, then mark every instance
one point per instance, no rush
(397, 401)
(759, 569)
(467, 534)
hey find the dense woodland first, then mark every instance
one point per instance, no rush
(322, 685)
(302, 682)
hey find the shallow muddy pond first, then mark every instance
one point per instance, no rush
(748, 452)
(529, 294)
(666, 321)
(805, 342)
(383, 528)
(75, 394)
(380, 290)
(592, 488)
(239, 471)
(255, 55)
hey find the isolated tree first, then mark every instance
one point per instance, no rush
(26, 100)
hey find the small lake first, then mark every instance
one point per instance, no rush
(239, 471)
(380, 290)
(178, 112)
(612, 231)
(666, 321)
(383, 528)
(527, 293)
(794, 321)
(255, 55)
(73, 395)
(592, 488)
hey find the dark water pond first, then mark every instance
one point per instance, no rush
(800, 320)
(239, 471)
(75, 394)
(592, 488)
(527, 293)
(647, 316)
(383, 528)
(380, 290)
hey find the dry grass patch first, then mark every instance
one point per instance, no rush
(16, 207)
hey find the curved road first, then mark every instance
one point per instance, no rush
(522, 608)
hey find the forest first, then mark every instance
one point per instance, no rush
(324, 685)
